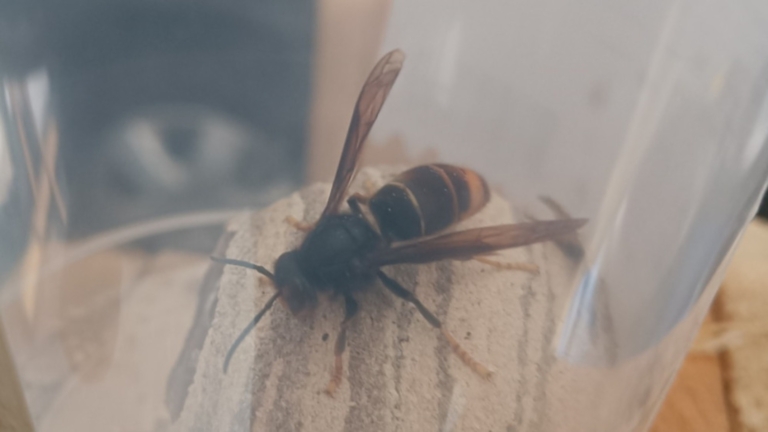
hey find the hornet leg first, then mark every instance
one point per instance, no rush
(299, 225)
(522, 266)
(408, 296)
(357, 198)
(355, 201)
(351, 309)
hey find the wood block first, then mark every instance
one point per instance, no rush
(14, 416)
(696, 402)
(399, 373)
(744, 329)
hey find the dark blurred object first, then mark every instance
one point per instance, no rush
(167, 107)
(762, 211)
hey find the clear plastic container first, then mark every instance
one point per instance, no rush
(132, 132)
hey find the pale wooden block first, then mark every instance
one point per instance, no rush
(156, 311)
(696, 401)
(399, 374)
(348, 42)
(14, 416)
(744, 301)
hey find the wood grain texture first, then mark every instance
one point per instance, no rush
(14, 416)
(744, 328)
(722, 385)
(696, 402)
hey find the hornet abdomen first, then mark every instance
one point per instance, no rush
(427, 199)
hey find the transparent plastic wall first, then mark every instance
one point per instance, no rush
(132, 133)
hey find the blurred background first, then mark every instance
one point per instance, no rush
(162, 108)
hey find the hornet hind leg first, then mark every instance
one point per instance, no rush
(299, 225)
(501, 265)
(351, 309)
(398, 290)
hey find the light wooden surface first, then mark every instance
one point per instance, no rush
(349, 35)
(399, 374)
(743, 330)
(14, 416)
(722, 385)
(696, 402)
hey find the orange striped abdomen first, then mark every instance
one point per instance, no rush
(427, 199)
